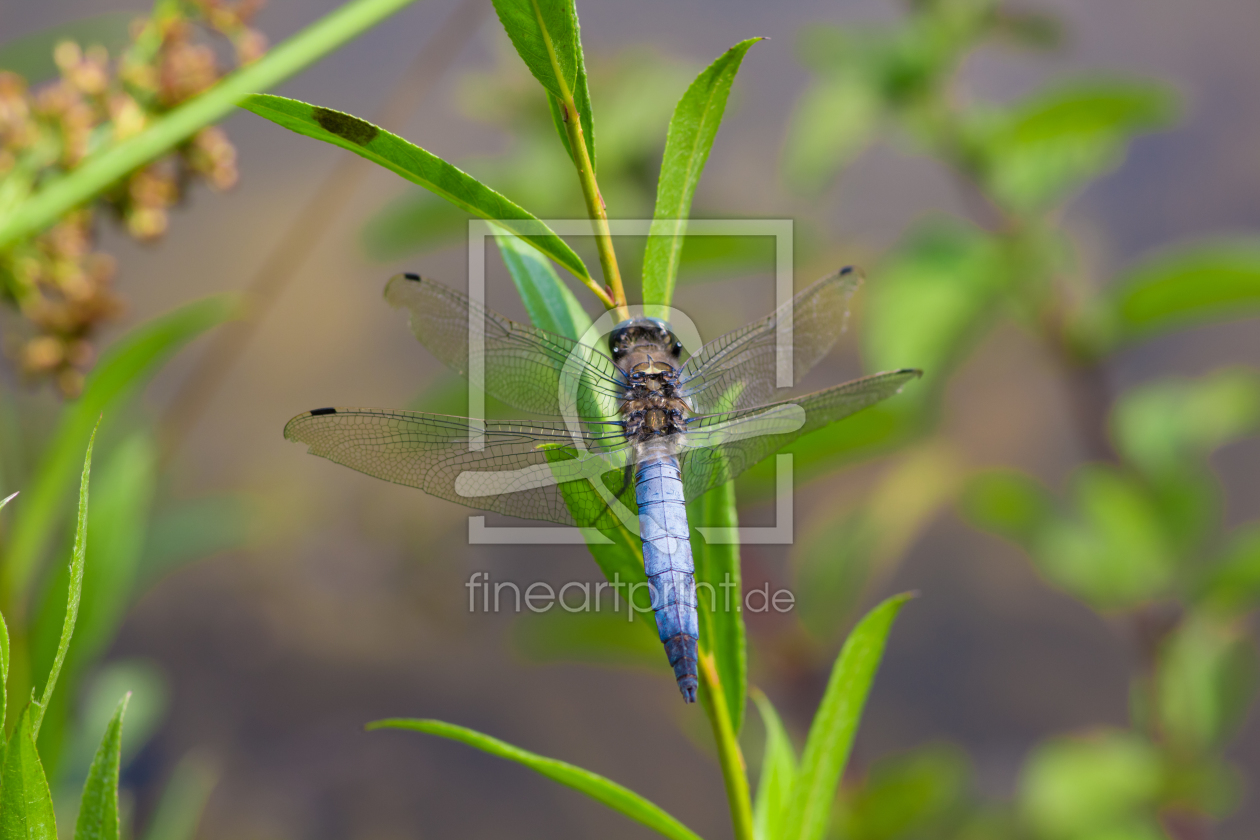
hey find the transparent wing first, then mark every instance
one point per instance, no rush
(738, 370)
(524, 367)
(718, 447)
(520, 470)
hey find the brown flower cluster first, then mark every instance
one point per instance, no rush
(58, 282)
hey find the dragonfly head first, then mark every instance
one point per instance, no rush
(645, 335)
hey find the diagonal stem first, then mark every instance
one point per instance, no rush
(734, 771)
(286, 258)
(595, 209)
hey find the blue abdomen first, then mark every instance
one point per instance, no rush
(667, 561)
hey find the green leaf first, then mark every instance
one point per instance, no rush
(98, 809)
(778, 774)
(1103, 786)
(1232, 584)
(110, 164)
(834, 120)
(1170, 425)
(1207, 680)
(179, 811)
(75, 591)
(836, 722)
(617, 551)
(1203, 283)
(691, 132)
(550, 303)
(1114, 553)
(717, 258)
(4, 675)
(122, 495)
(933, 297)
(720, 596)
(26, 807)
(868, 433)
(1058, 138)
(148, 702)
(416, 165)
(118, 528)
(123, 366)
(548, 38)
(1008, 503)
(545, 34)
(597, 787)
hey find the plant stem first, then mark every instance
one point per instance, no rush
(596, 210)
(734, 772)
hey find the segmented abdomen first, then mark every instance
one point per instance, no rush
(667, 561)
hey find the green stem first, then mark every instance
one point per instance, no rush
(615, 298)
(734, 772)
(108, 166)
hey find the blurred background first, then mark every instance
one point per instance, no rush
(282, 601)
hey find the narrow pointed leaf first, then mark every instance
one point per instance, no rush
(595, 786)
(545, 34)
(124, 366)
(416, 165)
(98, 809)
(836, 722)
(691, 132)
(74, 593)
(113, 162)
(4, 676)
(778, 774)
(548, 38)
(550, 304)
(26, 808)
(720, 597)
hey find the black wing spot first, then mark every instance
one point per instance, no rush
(350, 128)
(317, 412)
(848, 269)
(411, 276)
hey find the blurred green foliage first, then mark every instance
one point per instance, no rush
(1138, 531)
(100, 136)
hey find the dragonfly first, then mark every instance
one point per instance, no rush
(633, 433)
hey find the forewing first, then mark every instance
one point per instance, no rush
(738, 370)
(718, 447)
(519, 469)
(524, 367)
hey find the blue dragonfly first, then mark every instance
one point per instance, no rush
(633, 432)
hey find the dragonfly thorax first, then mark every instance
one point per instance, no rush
(652, 405)
(647, 354)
